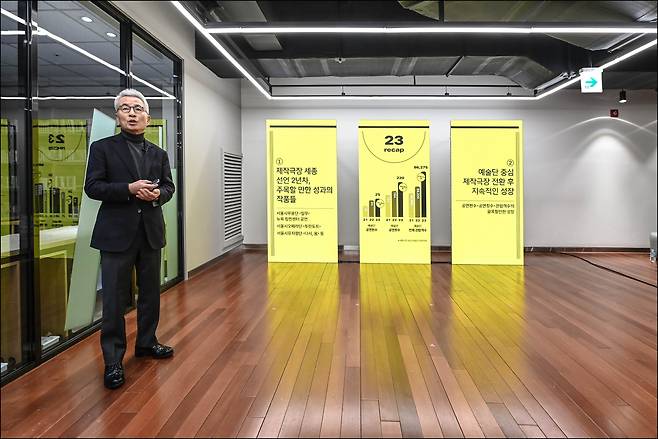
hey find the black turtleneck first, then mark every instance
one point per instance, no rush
(137, 148)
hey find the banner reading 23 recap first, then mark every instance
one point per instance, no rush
(394, 192)
(302, 219)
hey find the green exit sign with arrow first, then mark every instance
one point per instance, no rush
(591, 80)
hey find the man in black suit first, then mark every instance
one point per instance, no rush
(132, 178)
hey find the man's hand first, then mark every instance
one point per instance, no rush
(139, 185)
(147, 195)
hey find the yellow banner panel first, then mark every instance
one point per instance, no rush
(486, 162)
(302, 199)
(394, 191)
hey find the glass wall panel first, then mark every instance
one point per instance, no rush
(153, 74)
(12, 207)
(78, 71)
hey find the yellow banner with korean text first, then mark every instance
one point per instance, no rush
(394, 192)
(486, 163)
(302, 220)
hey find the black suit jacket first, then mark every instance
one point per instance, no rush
(109, 171)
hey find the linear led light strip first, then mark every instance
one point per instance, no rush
(184, 12)
(148, 84)
(12, 16)
(208, 34)
(44, 32)
(403, 98)
(433, 30)
(602, 67)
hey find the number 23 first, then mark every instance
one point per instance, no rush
(399, 140)
(59, 138)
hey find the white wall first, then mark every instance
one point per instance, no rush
(589, 180)
(211, 115)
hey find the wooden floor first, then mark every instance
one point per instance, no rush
(556, 348)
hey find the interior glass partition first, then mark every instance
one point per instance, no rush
(78, 70)
(14, 219)
(154, 74)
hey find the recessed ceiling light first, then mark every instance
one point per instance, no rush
(111, 34)
(86, 19)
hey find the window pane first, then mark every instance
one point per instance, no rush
(9, 54)
(78, 59)
(154, 75)
(153, 68)
(12, 210)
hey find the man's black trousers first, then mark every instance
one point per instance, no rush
(116, 269)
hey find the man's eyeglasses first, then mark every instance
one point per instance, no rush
(126, 109)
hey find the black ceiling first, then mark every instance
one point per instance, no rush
(525, 60)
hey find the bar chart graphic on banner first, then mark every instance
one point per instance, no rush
(392, 204)
(394, 192)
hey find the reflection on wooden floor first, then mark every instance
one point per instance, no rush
(556, 348)
(624, 263)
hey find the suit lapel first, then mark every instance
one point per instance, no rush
(123, 153)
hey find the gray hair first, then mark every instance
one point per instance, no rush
(134, 93)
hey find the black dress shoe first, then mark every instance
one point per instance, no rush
(113, 377)
(156, 351)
